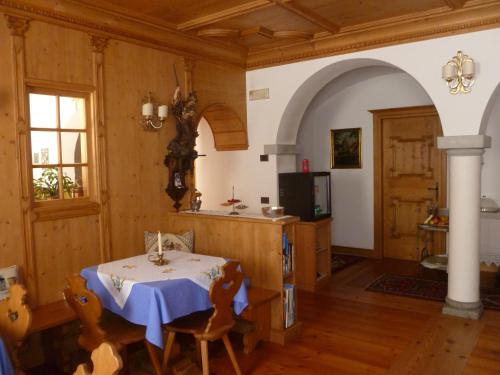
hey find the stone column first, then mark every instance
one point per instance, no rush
(464, 179)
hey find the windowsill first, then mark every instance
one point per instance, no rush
(64, 208)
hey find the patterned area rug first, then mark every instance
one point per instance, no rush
(341, 261)
(425, 289)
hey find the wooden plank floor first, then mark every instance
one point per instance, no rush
(347, 330)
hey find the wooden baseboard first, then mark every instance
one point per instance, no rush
(367, 253)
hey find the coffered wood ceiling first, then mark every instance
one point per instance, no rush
(267, 32)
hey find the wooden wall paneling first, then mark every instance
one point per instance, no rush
(58, 54)
(12, 248)
(100, 147)
(64, 247)
(18, 27)
(126, 27)
(220, 84)
(137, 176)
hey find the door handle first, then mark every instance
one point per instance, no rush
(436, 189)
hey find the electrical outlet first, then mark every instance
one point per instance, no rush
(264, 157)
(264, 200)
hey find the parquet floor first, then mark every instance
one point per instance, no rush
(347, 330)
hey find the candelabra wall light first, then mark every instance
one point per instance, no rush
(459, 73)
(153, 114)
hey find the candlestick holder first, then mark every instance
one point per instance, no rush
(159, 260)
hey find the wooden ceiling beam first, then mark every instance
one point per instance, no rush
(308, 14)
(259, 30)
(455, 4)
(225, 14)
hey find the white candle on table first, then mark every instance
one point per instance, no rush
(160, 250)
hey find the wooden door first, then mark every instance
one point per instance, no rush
(412, 177)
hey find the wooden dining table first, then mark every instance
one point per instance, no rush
(151, 295)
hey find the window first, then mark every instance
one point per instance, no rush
(59, 151)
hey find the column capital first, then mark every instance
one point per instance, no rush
(464, 142)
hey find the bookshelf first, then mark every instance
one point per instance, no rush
(313, 254)
(257, 243)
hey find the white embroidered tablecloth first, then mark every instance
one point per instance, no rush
(118, 277)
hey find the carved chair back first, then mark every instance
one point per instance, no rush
(222, 292)
(15, 320)
(106, 361)
(88, 307)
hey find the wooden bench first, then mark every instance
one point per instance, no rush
(255, 321)
(51, 315)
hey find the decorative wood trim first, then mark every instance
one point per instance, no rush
(18, 26)
(100, 147)
(404, 29)
(378, 117)
(99, 21)
(292, 34)
(228, 130)
(218, 33)
(65, 210)
(225, 14)
(60, 86)
(455, 4)
(367, 253)
(307, 14)
(258, 30)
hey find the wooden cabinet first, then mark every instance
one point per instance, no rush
(257, 242)
(313, 254)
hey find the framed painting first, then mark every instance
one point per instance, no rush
(345, 148)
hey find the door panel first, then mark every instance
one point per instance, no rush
(411, 165)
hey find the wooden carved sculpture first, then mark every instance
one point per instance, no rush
(180, 151)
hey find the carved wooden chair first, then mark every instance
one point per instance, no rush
(98, 327)
(213, 324)
(15, 321)
(106, 361)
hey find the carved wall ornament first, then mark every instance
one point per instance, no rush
(180, 151)
(98, 43)
(17, 25)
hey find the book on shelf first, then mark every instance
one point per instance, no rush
(287, 255)
(289, 306)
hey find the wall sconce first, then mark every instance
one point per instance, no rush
(153, 114)
(459, 73)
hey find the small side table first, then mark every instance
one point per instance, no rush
(427, 231)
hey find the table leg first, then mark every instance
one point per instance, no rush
(167, 352)
(153, 356)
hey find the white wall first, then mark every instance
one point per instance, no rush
(344, 103)
(490, 186)
(293, 86)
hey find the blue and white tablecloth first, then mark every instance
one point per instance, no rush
(5, 364)
(151, 295)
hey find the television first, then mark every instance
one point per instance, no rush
(307, 195)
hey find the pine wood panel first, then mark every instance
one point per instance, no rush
(255, 243)
(63, 247)
(137, 176)
(11, 244)
(58, 54)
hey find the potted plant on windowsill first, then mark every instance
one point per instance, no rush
(46, 186)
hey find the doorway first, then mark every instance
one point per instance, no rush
(409, 178)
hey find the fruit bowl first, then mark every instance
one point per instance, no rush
(273, 211)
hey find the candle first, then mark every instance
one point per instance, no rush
(162, 111)
(160, 250)
(147, 109)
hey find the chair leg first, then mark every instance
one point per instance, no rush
(168, 350)
(198, 352)
(230, 351)
(153, 357)
(204, 357)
